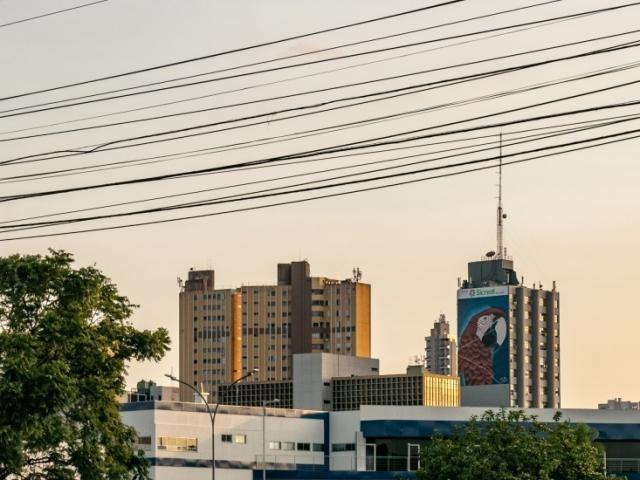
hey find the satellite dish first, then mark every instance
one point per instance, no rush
(490, 253)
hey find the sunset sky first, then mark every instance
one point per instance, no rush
(573, 218)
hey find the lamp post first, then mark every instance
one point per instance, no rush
(212, 415)
(264, 434)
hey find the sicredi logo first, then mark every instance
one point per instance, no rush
(483, 292)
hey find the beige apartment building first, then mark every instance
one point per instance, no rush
(226, 333)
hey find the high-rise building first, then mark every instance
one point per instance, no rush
(226, 333)
(508, 335)
(441, 353)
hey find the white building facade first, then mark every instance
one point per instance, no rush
(375, 442)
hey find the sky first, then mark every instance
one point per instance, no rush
(572, 218)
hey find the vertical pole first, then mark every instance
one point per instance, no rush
(500, 247)
(264, 417)
(213, 448)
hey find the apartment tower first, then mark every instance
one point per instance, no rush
(226, 333)
(441, 352)
(508, 334)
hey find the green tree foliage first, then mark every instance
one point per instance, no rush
(510, 445)
(65, 341)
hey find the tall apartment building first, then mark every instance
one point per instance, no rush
(508, 335)
(441, 352)
(226, 333)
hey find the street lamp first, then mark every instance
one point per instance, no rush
(264, 434)
(212, 415)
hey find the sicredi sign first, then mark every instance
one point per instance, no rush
(483, 292)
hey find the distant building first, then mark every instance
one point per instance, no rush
(332, 382)
(417, 387)
(441, 352)
(149, 390)
(508, 335)
(227, 333)
(310, 387)
(619, 404)
(254, 394)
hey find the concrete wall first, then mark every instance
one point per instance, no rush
(312, 373)
(485, 396)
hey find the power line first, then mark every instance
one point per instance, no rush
(312, 52)
(103, 147)
(227, 52)
(379, 141)
(308, 199)
(558, 130)
(323, 72)
(51, 13)
(54, 105)
(243, 196)
(348, 85)
(359, 144)
(208, 151)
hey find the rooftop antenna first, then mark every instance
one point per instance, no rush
(357, 275)
(501, 215)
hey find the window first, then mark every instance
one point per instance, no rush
(178, 444)
(226, 438)
(274, 445)
(304, 447)
(288, 445)
(143, 443)
(318, 447)
(240, 438)
(343, 447)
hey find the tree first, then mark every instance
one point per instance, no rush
(510, 445)
(65, 341)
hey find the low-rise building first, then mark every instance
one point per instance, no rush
(417, 387)
(313, 445)
(619, 404)
(330, 382)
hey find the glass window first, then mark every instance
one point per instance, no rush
(178, 444)
(318, 447)
(240, 438)
(226, 438)
(288, 445)
(274, 445)
(304, 447)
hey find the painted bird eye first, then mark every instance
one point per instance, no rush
(484, 323)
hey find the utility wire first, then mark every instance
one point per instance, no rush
(323, 72)
(308, 199)
(176, 156)
(393, 94)
(47, 106)
(557, 130)
(50, 13)
(379, 141)
(235, 50)
(258, 193)
(322, 50)
(327, 89)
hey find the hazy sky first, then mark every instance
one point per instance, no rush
(572, 218)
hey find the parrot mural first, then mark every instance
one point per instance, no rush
(485, 332)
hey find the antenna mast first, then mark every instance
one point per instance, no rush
(500, 246)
